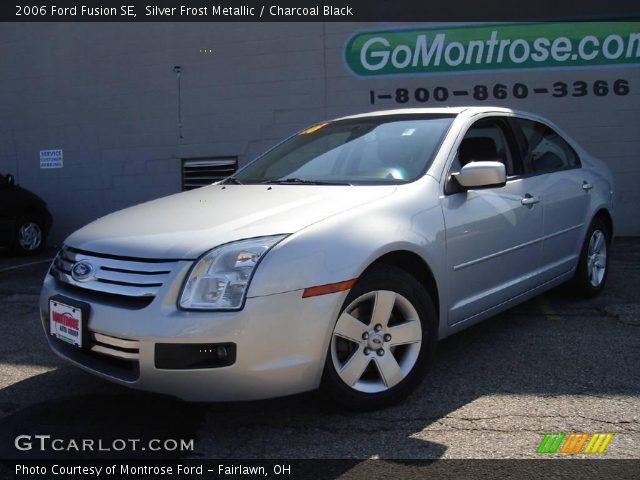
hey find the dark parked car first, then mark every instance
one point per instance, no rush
(24, 218)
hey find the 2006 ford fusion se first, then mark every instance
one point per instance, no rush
(335, 260)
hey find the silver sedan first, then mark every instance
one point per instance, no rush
(336, 260)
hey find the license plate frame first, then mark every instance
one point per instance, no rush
(68, 321)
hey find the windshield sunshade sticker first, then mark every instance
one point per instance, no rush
(314, 128)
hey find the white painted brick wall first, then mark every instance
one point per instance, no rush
(106, 94)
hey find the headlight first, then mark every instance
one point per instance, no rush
(220, 278)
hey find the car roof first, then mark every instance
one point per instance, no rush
(433, 111)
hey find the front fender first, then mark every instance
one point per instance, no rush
(341, 247)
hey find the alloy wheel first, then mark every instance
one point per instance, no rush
(597, 258)
(376, 341)
(30, 236)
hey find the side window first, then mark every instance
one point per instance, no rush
(488, 139)
(546, 150)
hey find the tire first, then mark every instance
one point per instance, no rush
(593, 265)
(29, 236)
(367, 369)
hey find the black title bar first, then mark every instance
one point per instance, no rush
(312, 11)
(318, 469)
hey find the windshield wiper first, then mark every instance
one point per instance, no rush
(301, 181)
(232, 180)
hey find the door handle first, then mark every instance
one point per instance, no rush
(586, 186)
(529, 200)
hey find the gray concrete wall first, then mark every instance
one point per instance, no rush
(107, 95)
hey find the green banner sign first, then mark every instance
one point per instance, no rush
(491, 47)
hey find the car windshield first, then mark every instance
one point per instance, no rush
(372, 150)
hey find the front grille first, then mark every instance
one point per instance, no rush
(116, 357)
(115, 347)
(134, 278)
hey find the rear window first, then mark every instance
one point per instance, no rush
(547, 150)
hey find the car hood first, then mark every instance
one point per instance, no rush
(185, 225)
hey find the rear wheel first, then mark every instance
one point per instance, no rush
(381, 341)
(29, 236)
(593, 265)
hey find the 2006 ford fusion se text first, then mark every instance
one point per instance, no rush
(336, 260)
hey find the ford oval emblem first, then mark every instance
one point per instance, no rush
(82, 271)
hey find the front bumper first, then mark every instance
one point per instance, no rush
(281, 342)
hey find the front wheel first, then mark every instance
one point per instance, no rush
(29, 236)
(381, 341)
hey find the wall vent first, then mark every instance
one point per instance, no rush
(199, 172)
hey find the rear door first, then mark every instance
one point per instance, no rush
(493, 234)
(564, 191)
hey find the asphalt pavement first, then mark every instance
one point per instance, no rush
(553, 364)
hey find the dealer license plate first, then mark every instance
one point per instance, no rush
(66, 322)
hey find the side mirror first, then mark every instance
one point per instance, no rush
(481, 175)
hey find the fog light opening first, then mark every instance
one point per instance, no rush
(176, 356)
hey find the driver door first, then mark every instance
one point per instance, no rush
(493, 239)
